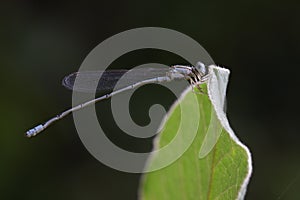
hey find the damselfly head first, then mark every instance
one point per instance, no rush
(201, 68)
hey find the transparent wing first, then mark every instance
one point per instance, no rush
(106, 80)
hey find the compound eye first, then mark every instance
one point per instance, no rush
(201, 68)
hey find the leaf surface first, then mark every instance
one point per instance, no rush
(203, 157)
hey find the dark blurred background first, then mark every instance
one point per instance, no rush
(42, 41)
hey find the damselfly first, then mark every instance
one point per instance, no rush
(196, 75)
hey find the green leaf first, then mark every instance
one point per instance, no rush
(197, 155)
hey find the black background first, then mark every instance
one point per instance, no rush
(41, 42)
